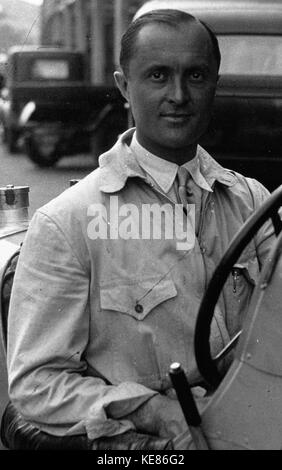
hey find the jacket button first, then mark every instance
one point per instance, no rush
(139, 308)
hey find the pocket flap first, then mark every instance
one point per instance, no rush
(250, 270)
(137, 299)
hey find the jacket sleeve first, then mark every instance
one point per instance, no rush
(47, 341)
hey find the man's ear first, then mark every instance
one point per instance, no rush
(122, 84)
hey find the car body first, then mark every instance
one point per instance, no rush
(246, 129)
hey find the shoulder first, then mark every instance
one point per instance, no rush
(250, 188)
(74, 201)
(233, 183)
(64, 220)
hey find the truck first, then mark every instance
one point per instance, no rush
(49, 104)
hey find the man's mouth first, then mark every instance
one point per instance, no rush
(177, 117)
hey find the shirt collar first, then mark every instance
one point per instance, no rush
(121, 163)
(193, 166)
(164, 172)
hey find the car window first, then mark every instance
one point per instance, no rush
(251, 54)
(50, 69)
(41, 67)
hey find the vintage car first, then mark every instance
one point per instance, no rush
(50, 104)
(246, 130)
(244, 412)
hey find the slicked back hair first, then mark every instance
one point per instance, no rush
(171, 17)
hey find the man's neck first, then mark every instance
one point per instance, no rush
(174, 155)
(180, 156)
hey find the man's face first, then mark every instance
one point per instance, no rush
(170, 86)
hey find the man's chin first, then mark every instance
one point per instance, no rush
(179, 142)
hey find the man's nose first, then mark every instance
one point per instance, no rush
(178, 91)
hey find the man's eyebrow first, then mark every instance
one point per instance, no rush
(158, 65)
(153, 67)
(202, 67)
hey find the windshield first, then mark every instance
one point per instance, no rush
(250, 54)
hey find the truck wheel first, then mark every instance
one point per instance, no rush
(39, 155)
(11, 139)
(3, 133)
(106, 136)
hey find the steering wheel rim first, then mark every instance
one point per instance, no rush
(206, 364)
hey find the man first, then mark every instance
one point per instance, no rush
(100, 308)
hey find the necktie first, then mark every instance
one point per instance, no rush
(189, 193)
(183, 177)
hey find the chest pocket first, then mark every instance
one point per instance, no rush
(137, 299)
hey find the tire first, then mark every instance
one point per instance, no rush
(3, 133)
(41, 159)
(106, 136)
(11, 139)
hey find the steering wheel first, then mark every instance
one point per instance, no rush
(206, 364)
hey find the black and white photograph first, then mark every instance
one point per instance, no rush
(140, 227)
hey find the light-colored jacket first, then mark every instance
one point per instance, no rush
(95, 323)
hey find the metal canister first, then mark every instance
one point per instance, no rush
(14, 204)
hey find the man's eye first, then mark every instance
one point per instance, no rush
(197, 76)
(158, 76)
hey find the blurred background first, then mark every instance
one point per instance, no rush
(19, 23)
